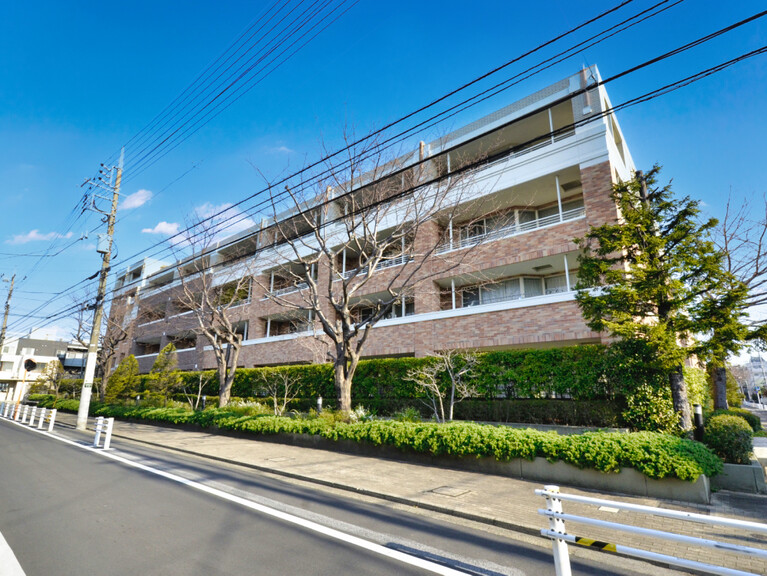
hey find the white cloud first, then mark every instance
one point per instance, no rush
(136, 199)
(281, 149)
(168, 228)
(36, 236)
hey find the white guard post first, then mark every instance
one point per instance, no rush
(42, 419)
(104, 425)
(2, 407)
(25, 414)
(51, 420)
(7, 409)
(17, 412)
(561, 555)
(32, 416)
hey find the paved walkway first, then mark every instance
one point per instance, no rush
(496, 500)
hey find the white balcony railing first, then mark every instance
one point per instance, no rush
(289, 289)
(511, 230)
(385, 263)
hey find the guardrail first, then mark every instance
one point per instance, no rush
(18, 411)
(560, 538)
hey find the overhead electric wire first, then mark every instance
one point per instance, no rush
(248, 85)
(228, 208)
(604, 113)
(434, 102)
(248, 212)
(204, 76)
(612, 78)
(224, 85)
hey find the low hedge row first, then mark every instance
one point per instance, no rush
(752, 419)
(655, 455)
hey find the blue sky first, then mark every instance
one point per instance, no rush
(78, 79)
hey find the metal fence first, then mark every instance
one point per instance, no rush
(560, 538)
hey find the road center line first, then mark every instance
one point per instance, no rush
(284, 516)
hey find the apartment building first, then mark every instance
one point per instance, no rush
(542, 170)
(24, 360)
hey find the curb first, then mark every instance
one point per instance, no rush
(345, 487)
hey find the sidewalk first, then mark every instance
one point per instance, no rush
(496, 500)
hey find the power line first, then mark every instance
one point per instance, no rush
(361, 140)
(433, 103)
(247, 213)
(613, 78)
(629, 103)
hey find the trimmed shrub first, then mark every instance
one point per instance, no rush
(730, 437)
(655, 455)
(752, 419)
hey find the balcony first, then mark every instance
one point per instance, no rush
(382, 264)
(513, 229)
(289, 289)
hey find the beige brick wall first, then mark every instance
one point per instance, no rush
(542, 325)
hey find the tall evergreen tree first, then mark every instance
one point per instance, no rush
(165, 376)
(123, 380)
(649, 276)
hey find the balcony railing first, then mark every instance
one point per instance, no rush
(511, 230)
(289, 289)
(385, 263)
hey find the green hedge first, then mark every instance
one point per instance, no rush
(655, 455)
(598, 413)
(580, 372)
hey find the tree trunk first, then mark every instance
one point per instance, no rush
(679, 397)
(720, 388)
(343, 384)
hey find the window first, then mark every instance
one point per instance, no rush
(470, 296)
(472, 230)
(283, 327)
(556, 284)
(365, 313)
(501, 291)
(550, 211)
(532, 287)
(184, 342)
(572, 205)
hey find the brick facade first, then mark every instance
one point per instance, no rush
(535, 254)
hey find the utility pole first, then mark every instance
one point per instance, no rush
(7, 310)
(111, 183)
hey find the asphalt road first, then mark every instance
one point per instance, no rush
(67, 510)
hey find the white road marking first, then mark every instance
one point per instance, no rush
(10, 565)
(290, 518)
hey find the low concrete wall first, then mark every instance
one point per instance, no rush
(627, 481)
(741, 478)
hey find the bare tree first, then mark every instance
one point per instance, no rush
(195, 397)
(212, 291)
(282, 387)
(742, 237)
(449, 379)
(360, 244)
